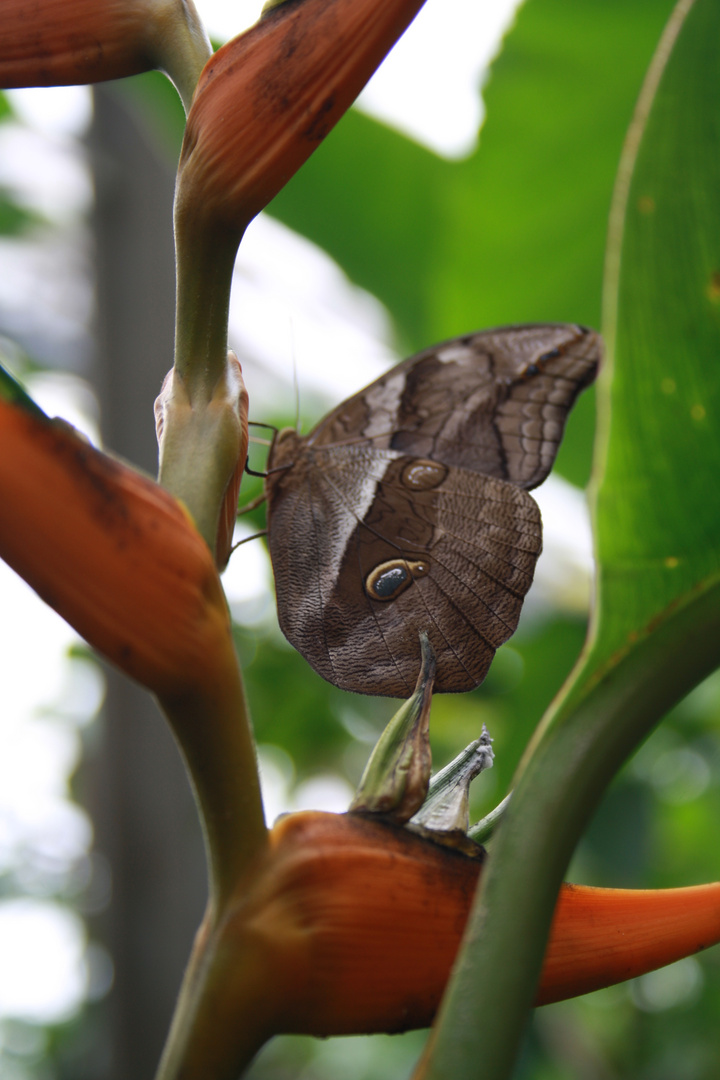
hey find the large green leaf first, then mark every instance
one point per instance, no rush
(656, 627)
(658, 507)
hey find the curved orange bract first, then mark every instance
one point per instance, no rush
(362, 921)
(112, 552)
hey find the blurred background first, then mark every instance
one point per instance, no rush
(469, 188)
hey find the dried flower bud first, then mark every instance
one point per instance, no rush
(396, 778)
(446, 808)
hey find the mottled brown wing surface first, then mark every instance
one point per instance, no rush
(404, 509)
(390, 546)
(495, 402)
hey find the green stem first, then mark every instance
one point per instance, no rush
(183, 47)
(225, 1010)
(583, 744)
(204, 265)
(203, 426)
(215, 737)
(227, 1000)
(484, 829)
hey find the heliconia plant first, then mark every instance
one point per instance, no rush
(112, 550)
(339, 924)
(182, 443)
(269, 97)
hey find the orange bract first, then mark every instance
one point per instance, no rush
(112, 552)
(361, 923)
(57, 42)
(268, 98)
(64, 42)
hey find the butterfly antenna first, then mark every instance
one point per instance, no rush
(245, 539)
(257, 423)
(252, 505)
(264, 442)
(296, 382)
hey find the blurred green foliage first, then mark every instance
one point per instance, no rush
(14, 217)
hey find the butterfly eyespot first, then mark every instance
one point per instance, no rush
(388, 579)
(423, 475)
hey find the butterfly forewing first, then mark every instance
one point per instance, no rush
(395, 515)
(494, 402)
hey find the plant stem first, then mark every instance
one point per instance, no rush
(204, 261)
(203, 441)
(225, 1009)
(214, 732)
(183, 47)
(223, 1012)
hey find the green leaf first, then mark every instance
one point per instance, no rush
(657, 506)
(516, 231)
(656, 627)
(6, 112)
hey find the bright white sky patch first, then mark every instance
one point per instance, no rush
(32, 631)
(45, 698)
(563, 576)
(43, 976)
(225, 19)
(44, 171)
(66, 110)
(291, 304)
(247, 580)
(324, 791)
(428, 87)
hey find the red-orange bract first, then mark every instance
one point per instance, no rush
(112, 552)
(267, 99)
(360, 923)
(64, 42)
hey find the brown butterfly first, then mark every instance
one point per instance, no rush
(405, 509)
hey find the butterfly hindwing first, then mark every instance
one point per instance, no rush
(455, 560)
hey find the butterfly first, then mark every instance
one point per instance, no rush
(407, 508)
